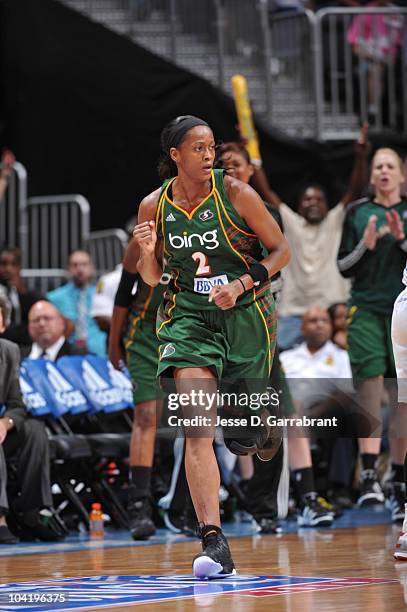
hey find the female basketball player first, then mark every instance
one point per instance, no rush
(372, 253)
(137, 313)
(217, 320)
(233, 157)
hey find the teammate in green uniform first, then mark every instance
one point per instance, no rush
(372, 253)
(234, 158)
(217, 318)
(135, 315)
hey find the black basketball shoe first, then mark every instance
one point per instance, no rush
(370, 490)
(215, 560)
(139, 511)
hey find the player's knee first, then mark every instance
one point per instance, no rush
(145, 417)
(198, 445)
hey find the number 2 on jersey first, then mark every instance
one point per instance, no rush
(203, 267)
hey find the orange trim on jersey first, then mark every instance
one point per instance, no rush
(229, 219)
(131, 333)
(147, 303)
(160, 211)
(187, 214)
(169, 310)
(254, 292)
(226, 236)
(267, 330)
(162, 228)
(139, 318)
(159, 207)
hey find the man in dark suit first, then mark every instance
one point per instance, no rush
(46, 327)
(23, 440)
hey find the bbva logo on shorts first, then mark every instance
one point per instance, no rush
(208, 240)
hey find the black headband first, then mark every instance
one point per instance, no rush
(172, 136)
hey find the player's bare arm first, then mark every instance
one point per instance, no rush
(261, 182)
(251, 208)
(360, 171)
(145, 236)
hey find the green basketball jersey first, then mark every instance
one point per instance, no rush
(212, 245)
(376, 275)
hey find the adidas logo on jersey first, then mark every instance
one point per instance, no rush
(170, 217)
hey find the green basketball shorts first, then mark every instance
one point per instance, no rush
(238, 344)
(142, 360)
(369, 344)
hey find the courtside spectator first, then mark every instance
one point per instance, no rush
(103, 300)
(46, 326)
(20, 298)
(24, 440)
(339, 314)
(106, 288)
(328, 366)
(74, 301)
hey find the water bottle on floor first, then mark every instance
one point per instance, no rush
(96, 529)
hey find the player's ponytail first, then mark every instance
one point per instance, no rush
(167, 168)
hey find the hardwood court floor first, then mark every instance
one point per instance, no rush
(360, 552)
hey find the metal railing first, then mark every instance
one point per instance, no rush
(168, 27)
(360, 66)
(47, 229)
(305, 70)
(291, 35)
(44, 279)
(57, 226)
(107, 248)
(292, 71)
(13, 210)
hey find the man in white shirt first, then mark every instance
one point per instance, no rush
(317, 358)
(314, 234)
(317, 371)
(103, 300)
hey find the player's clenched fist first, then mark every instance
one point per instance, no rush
(146, 236)
(225, 296)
